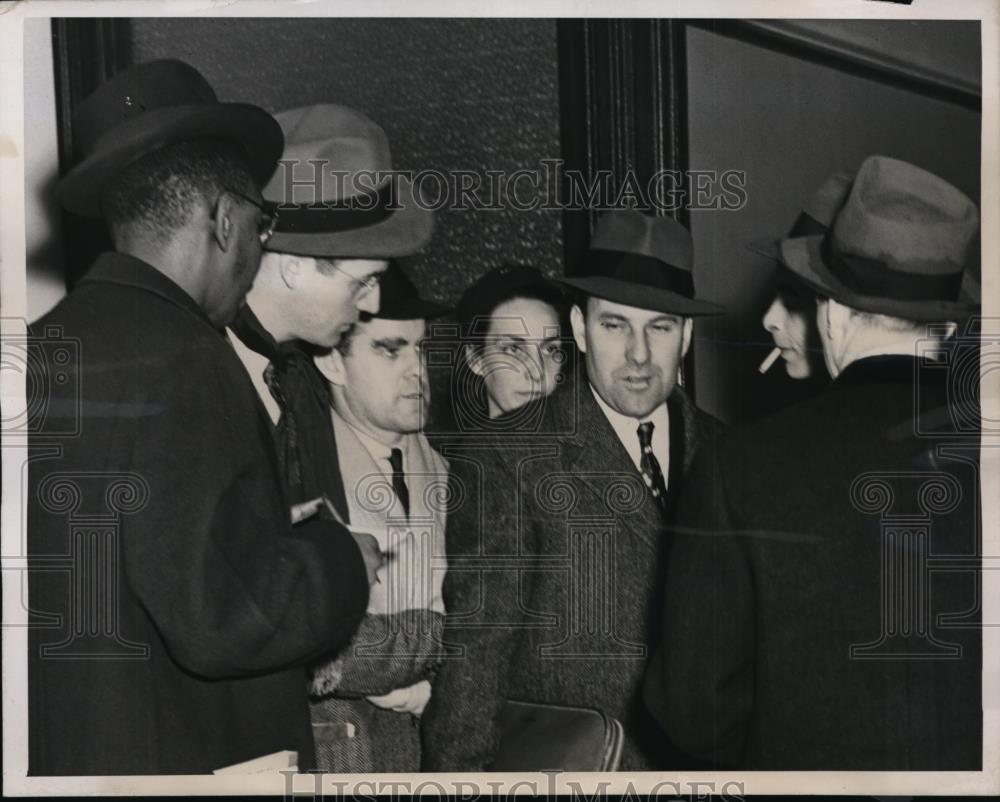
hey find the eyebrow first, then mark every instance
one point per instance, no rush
(623, 319)
(390, 342)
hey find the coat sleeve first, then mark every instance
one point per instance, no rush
(460, 726)
(233, 588)
(389, 651)
(699, 684)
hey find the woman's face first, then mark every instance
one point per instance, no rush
(522, 357)
(788, 320)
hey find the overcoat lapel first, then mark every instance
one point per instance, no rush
(596, 449)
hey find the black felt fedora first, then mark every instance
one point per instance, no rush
(335, 192)
(148, 107)
(644, 262)
(898, 247)
(399, 298)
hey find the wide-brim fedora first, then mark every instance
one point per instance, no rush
(151, 106)
(898, 247)
(642, 261)
(335, 192)
(399, 298)
(815, 218)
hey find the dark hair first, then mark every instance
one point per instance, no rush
(156, 192)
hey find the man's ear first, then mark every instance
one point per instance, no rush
(474, 359)
(579, 325)
(223, 228)
(686, 336)
(292, 268)
(331, 365)
(838, 318)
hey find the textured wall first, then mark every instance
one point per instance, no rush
(450, 93)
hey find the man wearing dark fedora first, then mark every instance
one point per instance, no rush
(804, 627)
(584, 504)
(369, 697)
(183, 608)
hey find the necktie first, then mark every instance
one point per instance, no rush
(286, 429)
(399, 480)
(649, 465)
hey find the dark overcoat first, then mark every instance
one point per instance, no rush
(554, 547)
(174, 606)
(822, 610)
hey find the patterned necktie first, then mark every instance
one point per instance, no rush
(649, 465)
(399, 480)
(286, 429)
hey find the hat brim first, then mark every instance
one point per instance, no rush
(257, 131)
(643, 296)
(404, 232)
(803, 256)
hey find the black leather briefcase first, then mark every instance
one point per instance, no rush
(539, 737)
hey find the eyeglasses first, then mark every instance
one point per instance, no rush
(365, 285)
(268, 221)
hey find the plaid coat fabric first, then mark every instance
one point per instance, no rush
(554, 550)
(397, 647)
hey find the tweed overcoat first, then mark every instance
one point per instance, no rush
(554, 551)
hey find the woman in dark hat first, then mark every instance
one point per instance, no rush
(790, 319)
(513, 323)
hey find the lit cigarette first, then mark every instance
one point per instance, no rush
(772, 357)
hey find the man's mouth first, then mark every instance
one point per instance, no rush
(638, 382)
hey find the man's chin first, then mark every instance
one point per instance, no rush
(638, 405)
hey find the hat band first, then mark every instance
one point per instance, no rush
(876, 278)
(636, 268)
(806, 226)
(329, 217)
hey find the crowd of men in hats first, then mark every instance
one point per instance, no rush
(295, 566)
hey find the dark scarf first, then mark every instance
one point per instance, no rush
(307, 451)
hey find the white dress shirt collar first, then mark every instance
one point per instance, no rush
(627, 427)
(379, 451)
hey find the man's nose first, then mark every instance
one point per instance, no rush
(417, 369)
(637, 350)
(369, 302)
